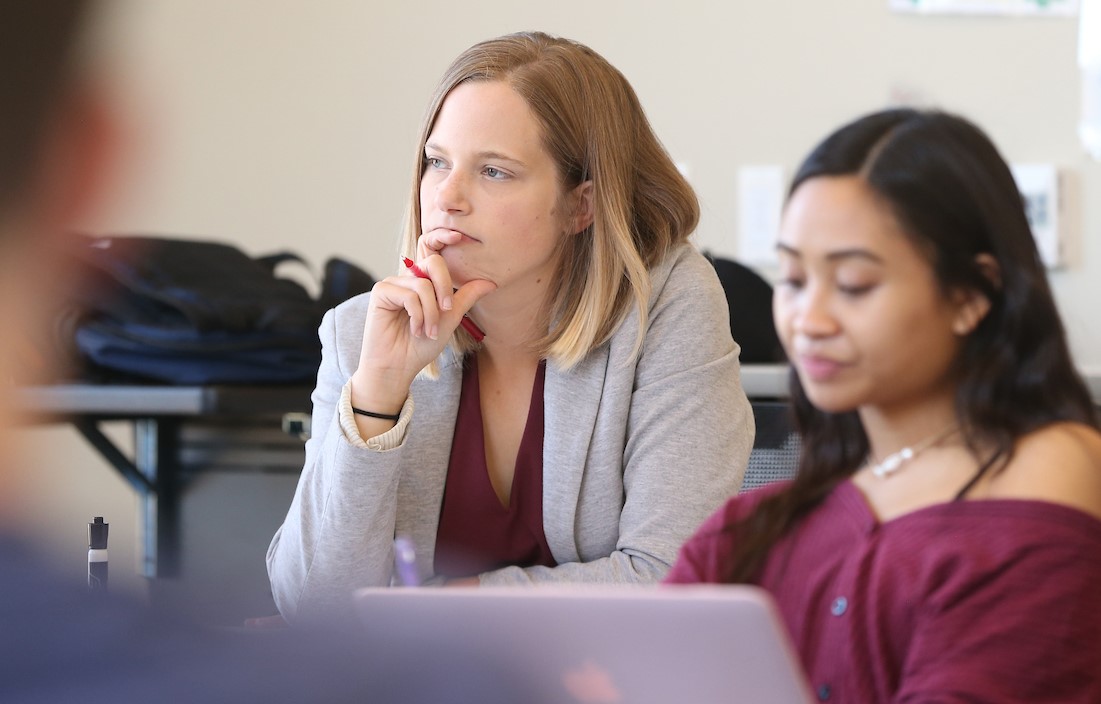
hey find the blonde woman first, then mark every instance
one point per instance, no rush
(548, 390)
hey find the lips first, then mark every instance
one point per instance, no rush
(818, 368)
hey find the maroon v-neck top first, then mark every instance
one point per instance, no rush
(476, 533)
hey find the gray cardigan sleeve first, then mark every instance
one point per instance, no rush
(338, 532)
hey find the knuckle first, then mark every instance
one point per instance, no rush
(428, 242)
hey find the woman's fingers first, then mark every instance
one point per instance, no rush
(436, 304)
(415, 296)
(440, 276)
(434, 268)
(433, 241)
(467, 295)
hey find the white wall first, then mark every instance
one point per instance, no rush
(291, 124)
(276, 123)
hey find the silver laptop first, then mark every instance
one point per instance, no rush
(636, 645)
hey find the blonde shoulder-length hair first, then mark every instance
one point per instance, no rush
(595, 130)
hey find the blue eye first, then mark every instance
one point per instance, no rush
(433, 162)
(494, 173)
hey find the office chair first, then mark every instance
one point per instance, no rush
(776, 446)
(749, 298)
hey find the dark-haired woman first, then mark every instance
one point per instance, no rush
(942, 541)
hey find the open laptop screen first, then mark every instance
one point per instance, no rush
(595, 645)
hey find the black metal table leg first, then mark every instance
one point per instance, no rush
(154, 450)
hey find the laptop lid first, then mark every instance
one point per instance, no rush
(592, 645)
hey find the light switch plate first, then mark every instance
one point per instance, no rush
(760, 201)
(1042, 188)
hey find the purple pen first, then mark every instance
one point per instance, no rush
(405, 562)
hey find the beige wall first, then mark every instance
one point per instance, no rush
(290, 124)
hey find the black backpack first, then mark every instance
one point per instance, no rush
(194, 312)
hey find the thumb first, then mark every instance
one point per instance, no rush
(470, 293)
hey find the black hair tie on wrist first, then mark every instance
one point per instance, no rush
(383, 416)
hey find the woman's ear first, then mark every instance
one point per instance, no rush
(583, 210)
(973, 305)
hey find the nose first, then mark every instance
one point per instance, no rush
(451, 193)
(811, 315)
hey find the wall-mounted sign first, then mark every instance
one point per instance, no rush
(1063, 8)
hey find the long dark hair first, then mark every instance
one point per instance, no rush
(955, 197)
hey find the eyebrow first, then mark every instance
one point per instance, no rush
(480, 156)
(852, 253)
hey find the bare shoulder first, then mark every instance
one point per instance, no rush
(1060, 463)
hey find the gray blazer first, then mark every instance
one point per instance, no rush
(637, 452)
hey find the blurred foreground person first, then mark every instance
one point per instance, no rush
(58, 641)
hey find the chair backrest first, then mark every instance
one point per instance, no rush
(776, 446)
(749, 298)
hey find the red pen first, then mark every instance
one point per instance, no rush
(469, 325)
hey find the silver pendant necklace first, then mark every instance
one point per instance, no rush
(891, 463)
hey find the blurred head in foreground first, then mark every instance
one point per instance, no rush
(56, 148)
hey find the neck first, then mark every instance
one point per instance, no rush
(888, 465)
(509, 320)
(506, 358)
(891, 429)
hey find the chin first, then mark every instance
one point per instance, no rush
(460, 278)
(462, 273)
(830, 400)
(457, 266)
